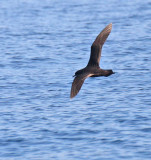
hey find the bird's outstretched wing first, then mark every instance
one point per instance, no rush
(97, 46)
(77, 83)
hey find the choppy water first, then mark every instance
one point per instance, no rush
(42, 44)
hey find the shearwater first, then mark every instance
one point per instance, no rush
(92, 69)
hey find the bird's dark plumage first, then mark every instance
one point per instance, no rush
(92, 69)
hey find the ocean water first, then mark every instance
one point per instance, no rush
(42, 45)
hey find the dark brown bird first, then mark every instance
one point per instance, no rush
(92, 69)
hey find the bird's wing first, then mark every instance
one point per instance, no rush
(97, 46)
(77, 83)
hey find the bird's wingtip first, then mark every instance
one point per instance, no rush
(71, 96)
(110, 25)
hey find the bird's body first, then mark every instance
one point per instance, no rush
(92, 69)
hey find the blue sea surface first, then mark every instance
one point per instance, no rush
(42, 44)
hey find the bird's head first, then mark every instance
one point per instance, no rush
(109, 72)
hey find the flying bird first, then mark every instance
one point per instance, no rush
(92, 69)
